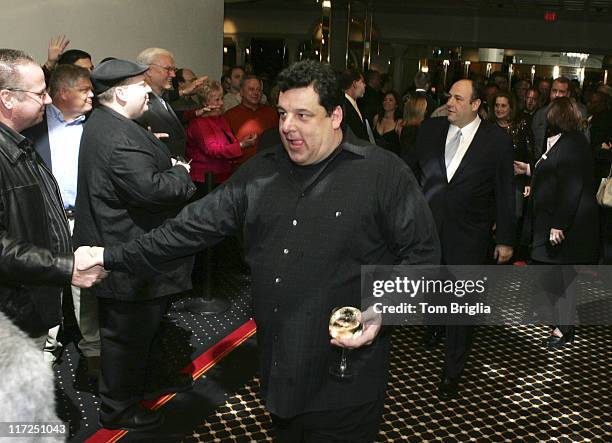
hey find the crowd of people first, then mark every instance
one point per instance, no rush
(112, 177)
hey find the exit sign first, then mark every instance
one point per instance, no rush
(550, 16)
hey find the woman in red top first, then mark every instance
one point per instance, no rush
(211, 145)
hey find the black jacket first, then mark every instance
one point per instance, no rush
(370, 103)
(31, 276)
(562, 198)
(160, 119)
(352, 121)
(479, 195)
(126, 187)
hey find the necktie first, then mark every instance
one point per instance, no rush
(451, 148)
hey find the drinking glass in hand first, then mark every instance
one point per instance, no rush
(344, 322)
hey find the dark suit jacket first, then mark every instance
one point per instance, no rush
(562, 198)
(351, 119)
(39, 134)
(370, 103)
(480, 193)
(128, 186)
(160, 119)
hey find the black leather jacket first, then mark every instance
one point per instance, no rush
(31, 277)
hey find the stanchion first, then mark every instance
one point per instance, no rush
(207, 304)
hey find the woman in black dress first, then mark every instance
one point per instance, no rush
(565, 214)
(503, 115)
(388, 122)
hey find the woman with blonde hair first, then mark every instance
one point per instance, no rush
(211, 144)
(415, 109)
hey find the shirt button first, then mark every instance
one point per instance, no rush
(277, 280)
(285, 251)
(276, 338)
(275, 309)
(294, 222)
(275, 364)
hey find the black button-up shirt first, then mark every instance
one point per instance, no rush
(305, 241)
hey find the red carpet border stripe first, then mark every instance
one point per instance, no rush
(196, 368)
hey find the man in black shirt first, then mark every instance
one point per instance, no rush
(312, 211)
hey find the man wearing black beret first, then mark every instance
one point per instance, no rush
(128, 184)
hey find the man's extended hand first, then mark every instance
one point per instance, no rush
(57, 45)
(248, 141)
(193, 86)
(503, 253)
(88, 267)
(371, 327)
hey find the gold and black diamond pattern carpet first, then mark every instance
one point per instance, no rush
(513, 389)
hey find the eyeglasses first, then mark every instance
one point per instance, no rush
(40, 95)
(169, 69)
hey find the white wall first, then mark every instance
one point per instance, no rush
(191, 29)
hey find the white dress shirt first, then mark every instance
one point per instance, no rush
(354, 103)
(550, 142)
(467, 135)
(64, 142)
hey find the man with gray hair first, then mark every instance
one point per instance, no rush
(560, 88)
(160, 118)
(36, 259)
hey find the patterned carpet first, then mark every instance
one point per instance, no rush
(513, 388)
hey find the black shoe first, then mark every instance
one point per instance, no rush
(140, 419)
(180, 382)
(555, 342)
(432, 339)
(448, 389)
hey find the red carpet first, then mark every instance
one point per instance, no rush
(196, 368)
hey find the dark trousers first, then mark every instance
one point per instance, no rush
(458, 337)
(128, 330)
(353, 424)
(458, 343)
(559, 283)
(456, 347)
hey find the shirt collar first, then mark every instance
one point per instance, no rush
(246, 108)
(352, 100)
(349, 143)
(23, 144)
(550, 141)
(468, 130)
(57, 115)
